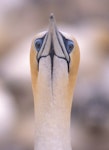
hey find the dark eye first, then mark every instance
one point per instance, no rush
(38, 44)
(69, 46)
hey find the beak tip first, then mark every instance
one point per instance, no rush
(51, 16)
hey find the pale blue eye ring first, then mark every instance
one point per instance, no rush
(38, 44)
(69, 46)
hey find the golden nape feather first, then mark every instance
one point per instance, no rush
(54, 62)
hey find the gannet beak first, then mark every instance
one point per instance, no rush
(57, 40)
(53, 43)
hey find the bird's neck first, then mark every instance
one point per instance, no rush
(52, 125)
(52, 112)
(52, 115)
(52, 128)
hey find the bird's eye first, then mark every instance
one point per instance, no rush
(69, 46)
(38, 44)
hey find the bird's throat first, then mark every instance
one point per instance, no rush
(52, 106)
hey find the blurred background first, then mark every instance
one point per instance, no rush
(88, 21)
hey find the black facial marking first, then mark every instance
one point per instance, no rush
(69, 44)
(38, 43)
(52, 53)
(63, 50)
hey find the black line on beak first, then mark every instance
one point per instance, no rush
(52, 53)
(68, 62)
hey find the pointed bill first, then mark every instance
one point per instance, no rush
(53, 36)
(58, 43)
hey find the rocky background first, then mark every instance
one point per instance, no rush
(88, 21)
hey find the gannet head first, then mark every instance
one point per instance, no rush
(54, 60)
